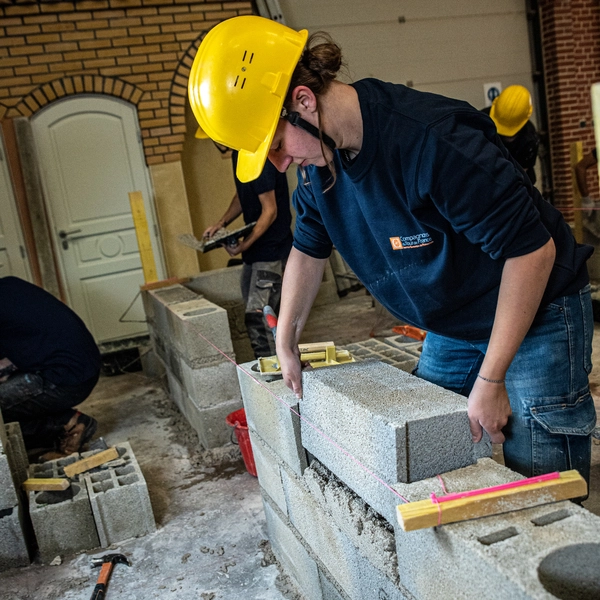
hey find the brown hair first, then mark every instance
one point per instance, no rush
(317, 68)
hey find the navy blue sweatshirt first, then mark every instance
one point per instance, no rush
(429, 211)
(40, 334)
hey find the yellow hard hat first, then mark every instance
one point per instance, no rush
(201, 134)
(238, 83)
(511, 110)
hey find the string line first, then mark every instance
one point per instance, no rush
(307, 421)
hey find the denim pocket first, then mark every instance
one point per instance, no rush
(575, 418)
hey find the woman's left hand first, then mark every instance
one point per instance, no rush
(489, 409)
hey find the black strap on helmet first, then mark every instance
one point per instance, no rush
(296, 120)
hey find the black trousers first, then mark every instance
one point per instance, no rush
(41, 408)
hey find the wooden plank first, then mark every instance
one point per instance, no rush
(90, 462)
(576, 155)
(143, 236)
(426, 513)
(55, 484)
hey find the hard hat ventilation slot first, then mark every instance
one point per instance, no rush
(236, 82)
(246, 54)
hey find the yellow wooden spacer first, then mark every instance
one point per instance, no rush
(143, 236)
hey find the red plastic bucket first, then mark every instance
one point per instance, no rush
(237, 420)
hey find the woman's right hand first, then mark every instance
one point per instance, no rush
(291, 369)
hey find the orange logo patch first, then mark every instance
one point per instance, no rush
(396, 243)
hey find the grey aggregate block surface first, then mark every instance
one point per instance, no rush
(63, 521)
(8, 486)
(200, 329)
(159, 300)
(398, 426)
(52, 468)
(219, 285)
(329, 590)
(372, 535)
(211, 384)
(269, 407)
(291, 553)
(405, 359)
(13, 545)
(120, 502)
(268, 469)
(468, 566)
(17, 453)
(2, 435)
(334, 549)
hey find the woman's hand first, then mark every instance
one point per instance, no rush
(488, 408)
(291, 369)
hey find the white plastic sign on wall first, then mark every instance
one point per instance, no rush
(490, 91)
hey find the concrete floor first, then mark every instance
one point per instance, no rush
(211, 541)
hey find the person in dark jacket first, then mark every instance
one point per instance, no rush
(264, 250)
(50, 363)
(437, 220)
(510, 112)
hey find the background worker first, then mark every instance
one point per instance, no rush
(589, 160)
(510, 112)
(51, 364)
(437, 221)
(264, 251)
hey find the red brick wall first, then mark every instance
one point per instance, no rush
(137, 50)
(571, 46)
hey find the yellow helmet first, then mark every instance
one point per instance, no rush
(201, 134)
(238, 83)
(511, 110)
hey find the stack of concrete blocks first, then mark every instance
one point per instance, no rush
(14, 534)
(119, 497)
(370, 437)
(192, 338)
(62, 521)
(104, 506)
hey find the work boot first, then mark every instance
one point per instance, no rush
(78, 432)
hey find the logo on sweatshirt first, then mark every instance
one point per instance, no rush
(410, 241)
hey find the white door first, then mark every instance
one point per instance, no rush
(91, 157)
(13, 258)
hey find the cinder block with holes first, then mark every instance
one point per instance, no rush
(13, 544)
(62, 521)
(156, 303)
(200, 331)
(119, 498)
(8, 485)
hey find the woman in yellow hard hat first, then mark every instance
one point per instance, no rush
(435, 219)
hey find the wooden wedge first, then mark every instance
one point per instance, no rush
(90, 462)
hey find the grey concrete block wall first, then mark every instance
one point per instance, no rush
(271, 412)
(214, 383)
(8, 485)
(156, 303)
(404, 358)
(13, 542)
(120, 501)
(63, 521)
(398, 426)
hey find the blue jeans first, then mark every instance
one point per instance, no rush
(553, 411)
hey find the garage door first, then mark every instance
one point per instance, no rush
(449, 47)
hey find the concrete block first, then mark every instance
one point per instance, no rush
(373, 349)
(291, 553)
(209, 423)
(200, 331)
(211, 384)
(17, 453)
(371, 534)
(268, 469)
(156, 303)
(271, 411)
(52, 468)
(219, 285)
(63, 521)
(2, 435)
(543, 552)
(120, 502)
(398, 426)
(330, 590)
(8, 486)
(13, 544)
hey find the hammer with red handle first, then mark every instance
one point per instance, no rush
(106, 562)
(271, 319)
